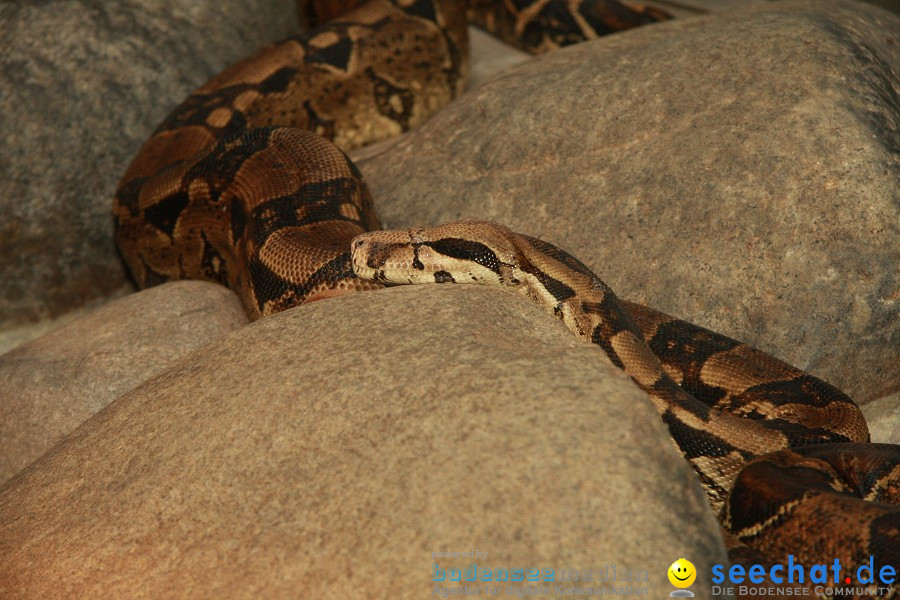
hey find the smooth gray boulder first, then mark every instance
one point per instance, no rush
(52, 384)
(738, 170)
(330, 450)
(82, 85)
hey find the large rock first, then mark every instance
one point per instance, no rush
(738, 170)
(84, 83)
(52, 384)
(330, 450)
(883, 417)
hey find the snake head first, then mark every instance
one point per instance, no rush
(459, 252)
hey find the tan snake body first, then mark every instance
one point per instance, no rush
(234, 188)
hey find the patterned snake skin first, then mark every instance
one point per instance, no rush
(241, 185)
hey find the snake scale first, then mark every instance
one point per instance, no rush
(243, 184)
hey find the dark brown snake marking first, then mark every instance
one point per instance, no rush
(233, 188)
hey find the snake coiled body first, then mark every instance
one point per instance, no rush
(224, 191)
(240, 185)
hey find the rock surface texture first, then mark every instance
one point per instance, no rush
(84, 84)
(52, 384)
(883, 417)
(738, 170)
(301, 453)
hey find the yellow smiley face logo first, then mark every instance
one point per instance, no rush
(682, 573)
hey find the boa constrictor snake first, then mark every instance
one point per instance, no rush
(233, 187)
